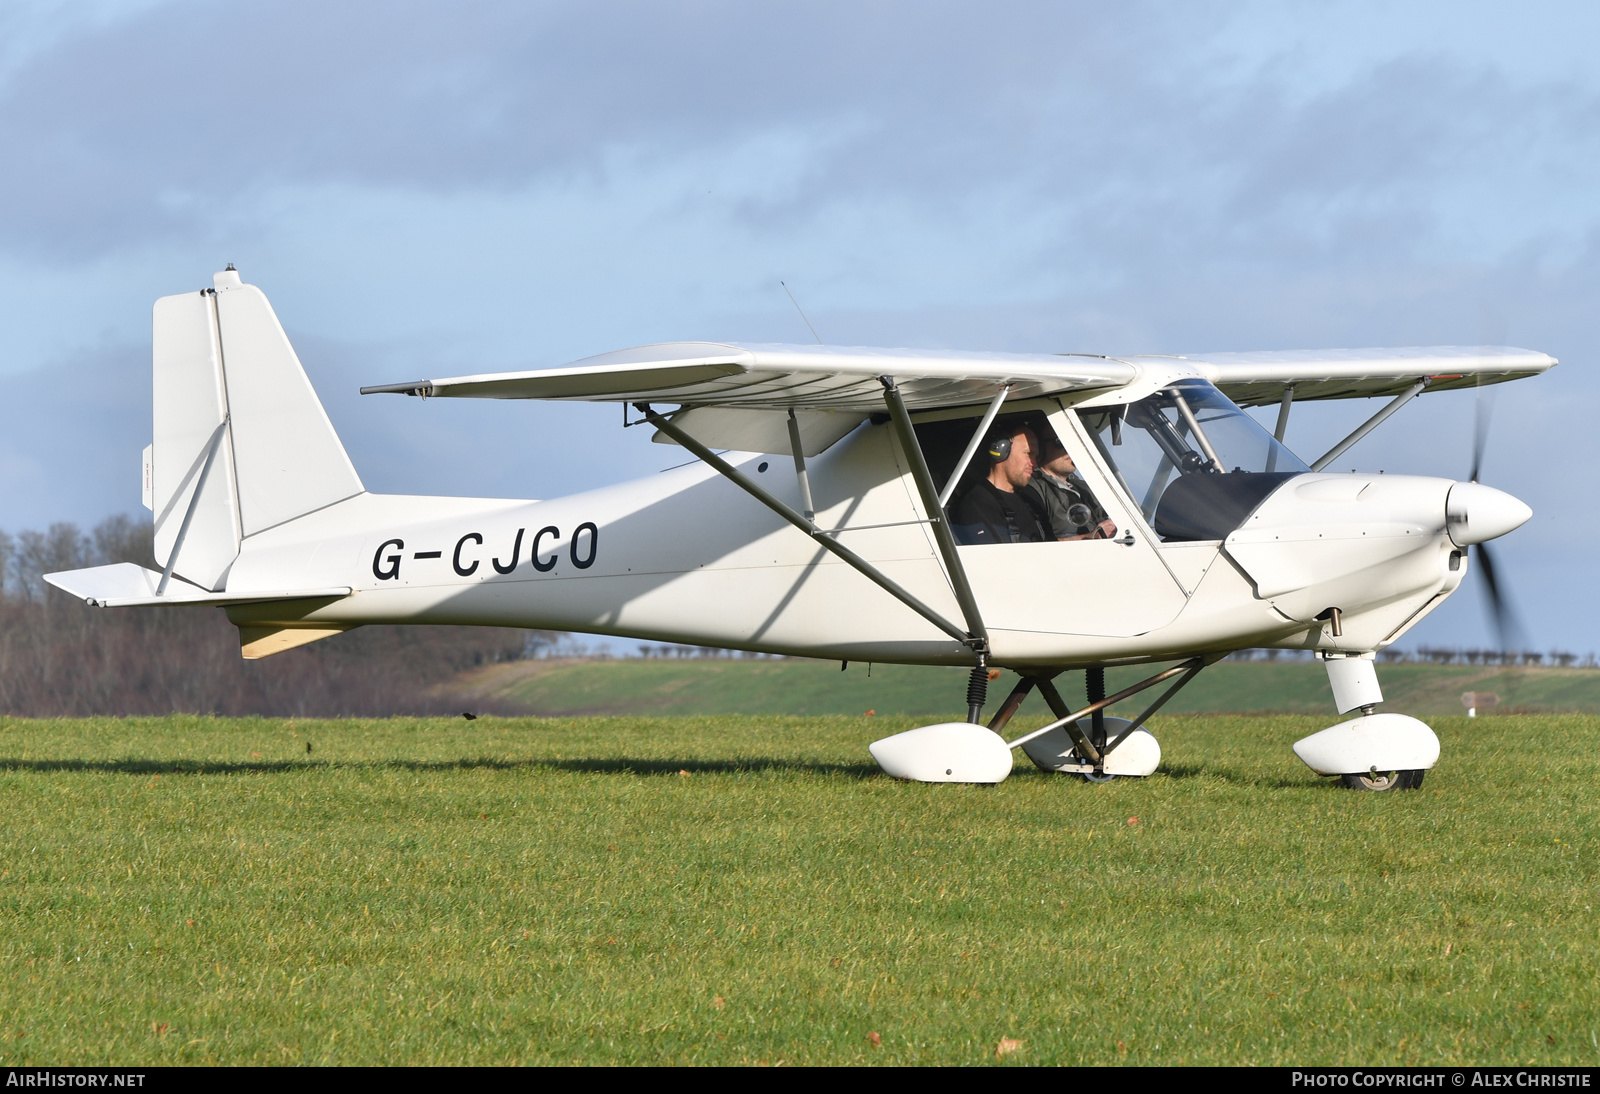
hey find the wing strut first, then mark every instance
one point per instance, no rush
(1283, 425)
(979, 643)
(933, 503)
(1283, 414)
(1371, 423)
(804, 479)
(978, 635)
(978, 437)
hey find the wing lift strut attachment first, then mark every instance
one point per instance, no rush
(974, 636)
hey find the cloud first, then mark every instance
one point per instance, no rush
(1115, 137)
(155, 120)
(71, 437)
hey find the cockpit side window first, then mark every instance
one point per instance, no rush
(1193, 461)
(1027, 497)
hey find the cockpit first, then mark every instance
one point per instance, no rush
(1194, 463)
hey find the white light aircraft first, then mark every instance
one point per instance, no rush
(833, 510)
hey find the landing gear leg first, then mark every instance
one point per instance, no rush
(1014, 701)
(1083, 749)
(1049, 748)
(1094, 680)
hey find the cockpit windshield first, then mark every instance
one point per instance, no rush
(1195, 463)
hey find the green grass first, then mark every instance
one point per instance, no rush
(434, 891)
(819, 687)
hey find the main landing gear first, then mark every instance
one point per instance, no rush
(1088, 743)
(1084, 742)
(1373, 752)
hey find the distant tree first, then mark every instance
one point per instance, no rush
(61, 657)
(121, 539)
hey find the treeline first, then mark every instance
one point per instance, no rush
(703, 653)
(1435, 655)
(61, 657)
(1560, 659)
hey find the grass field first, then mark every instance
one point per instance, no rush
(819, 687)
(750, 889)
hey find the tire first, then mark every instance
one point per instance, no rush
(1383, 782)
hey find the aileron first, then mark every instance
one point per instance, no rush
(1255, 379)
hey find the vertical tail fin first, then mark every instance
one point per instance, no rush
(220, 355)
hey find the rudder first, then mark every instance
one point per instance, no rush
(290, 461)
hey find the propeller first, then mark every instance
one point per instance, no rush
(1508, 631)
(1480, 431)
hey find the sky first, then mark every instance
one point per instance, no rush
(431, 190)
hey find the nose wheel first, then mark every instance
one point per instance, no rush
(1372, 752)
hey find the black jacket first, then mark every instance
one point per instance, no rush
(987, 514)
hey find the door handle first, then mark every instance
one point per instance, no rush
(1127, 538)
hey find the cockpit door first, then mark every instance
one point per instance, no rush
(1101, 587)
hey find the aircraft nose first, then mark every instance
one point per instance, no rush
(1475, 513)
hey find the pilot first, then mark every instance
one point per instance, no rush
(1069, 508)
(998, 508)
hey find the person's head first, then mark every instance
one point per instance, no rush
(1054, 458)
(1013, 471)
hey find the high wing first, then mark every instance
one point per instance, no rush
(780, 377)
(844, 378)
(1255, 379)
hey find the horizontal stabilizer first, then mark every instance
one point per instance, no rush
(125, 585)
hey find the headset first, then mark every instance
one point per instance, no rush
(999, 449)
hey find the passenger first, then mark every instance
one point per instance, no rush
(1058, 489)
(998, 508)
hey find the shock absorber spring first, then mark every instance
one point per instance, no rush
(1095, 682)
(977, 690)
